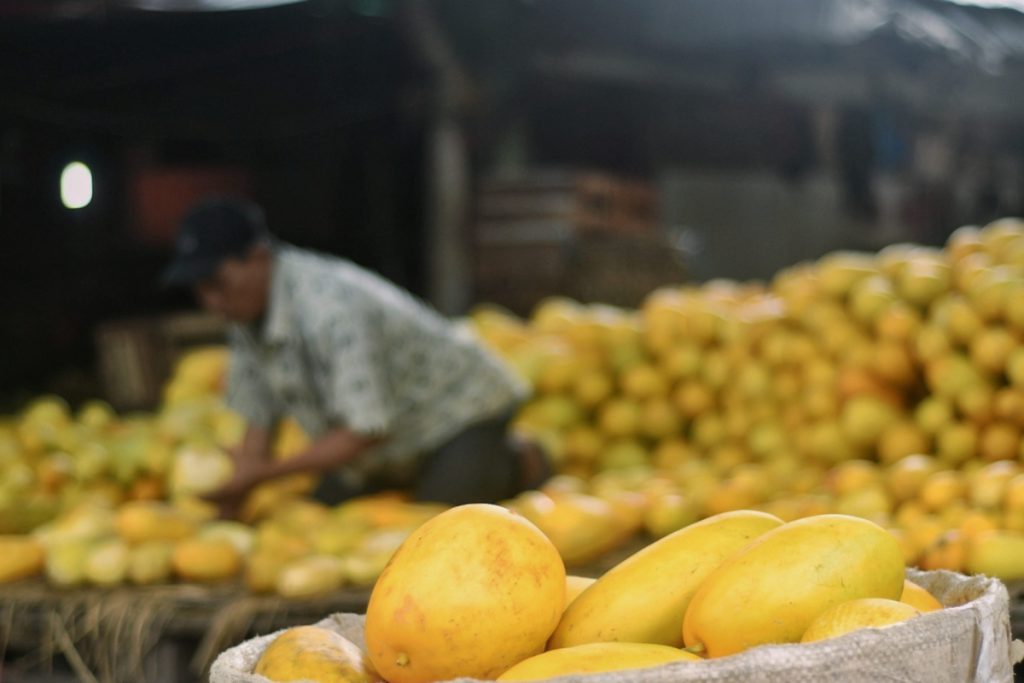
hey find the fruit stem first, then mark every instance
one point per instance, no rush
(696, 649)
(402, 659)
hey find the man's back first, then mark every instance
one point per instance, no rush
(340, 345)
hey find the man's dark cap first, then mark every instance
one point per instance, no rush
(212, 231)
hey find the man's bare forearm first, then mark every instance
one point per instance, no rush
(332, 450)
(255, 447)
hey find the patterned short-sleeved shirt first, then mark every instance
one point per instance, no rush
(340, 346)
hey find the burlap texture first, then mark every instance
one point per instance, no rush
(968, 642)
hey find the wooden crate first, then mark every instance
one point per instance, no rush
(131, 363)
(622, 269)
(518, 274)
(614, 269)
(184, 331)
(135, 357)
(580, 203)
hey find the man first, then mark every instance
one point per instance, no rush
(389, 391)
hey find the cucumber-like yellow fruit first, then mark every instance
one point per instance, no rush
(854, 615)
(918, 597)
(595, 658)
(644, 598)
(773, 589)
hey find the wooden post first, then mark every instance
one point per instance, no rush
(447, 166)
(448, 211)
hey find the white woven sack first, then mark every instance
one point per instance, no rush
(969, 642)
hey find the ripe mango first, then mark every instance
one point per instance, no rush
(150, 562)
(107, 564)
(998, 554)
(574, 585)
(469, 594)
(311, 653)
(206, 560)
(595, 658)
(644, 598)
(773, 589)
(141, 521)
(582, 527)
(20, 557)
(857, 614)
(918, 597)
(262, 570)
(311, 576)
(65, 561)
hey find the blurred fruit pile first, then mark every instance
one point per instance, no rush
(888, 385)
(297, 549)
(51, 460)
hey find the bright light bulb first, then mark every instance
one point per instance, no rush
(76, 185)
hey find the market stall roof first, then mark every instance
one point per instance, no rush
(984, 34)
(930, 53)
(307, 64)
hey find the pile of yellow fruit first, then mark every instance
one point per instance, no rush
(299, 549)
(52, 461)
(480, 592)
(888, 385)
(98, 499)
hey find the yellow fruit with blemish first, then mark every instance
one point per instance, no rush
(477, 580)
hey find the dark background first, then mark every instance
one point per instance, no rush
(323, 112)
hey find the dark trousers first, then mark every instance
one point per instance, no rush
(481, 464)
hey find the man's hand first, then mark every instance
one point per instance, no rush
(236, 487)
(250, 458)
(230, 496)
(334, 449)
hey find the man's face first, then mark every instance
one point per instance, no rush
(238, 288)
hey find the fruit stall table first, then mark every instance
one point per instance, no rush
(166, 633)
